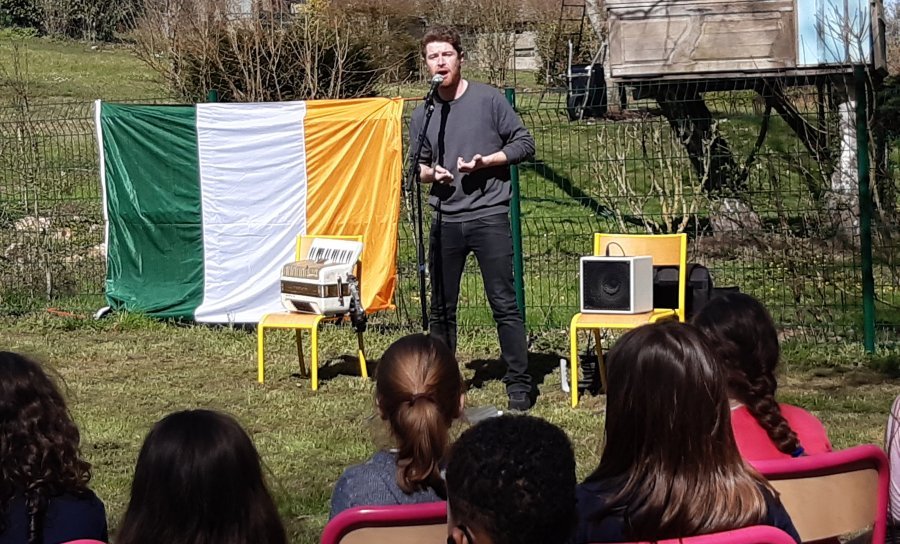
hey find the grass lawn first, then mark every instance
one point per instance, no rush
(66, 70)
(125, 372)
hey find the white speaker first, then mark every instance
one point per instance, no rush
(616, 285)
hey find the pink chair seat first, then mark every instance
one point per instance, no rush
(758, 534)
(405, 524)
(832, 494)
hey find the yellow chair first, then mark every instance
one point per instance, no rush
(666, 250)
(310, 322)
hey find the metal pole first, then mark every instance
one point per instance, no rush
(414, 184)
(865, 210)
(515, 218)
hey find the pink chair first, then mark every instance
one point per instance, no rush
(758, 534)
(85, 541)
(407, 524)
(832, 494)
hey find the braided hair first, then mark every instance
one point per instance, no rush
(743, 335)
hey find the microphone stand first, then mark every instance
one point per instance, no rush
(413, 178)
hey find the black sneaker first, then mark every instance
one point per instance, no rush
(519, 401)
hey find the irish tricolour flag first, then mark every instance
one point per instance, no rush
(204, 203)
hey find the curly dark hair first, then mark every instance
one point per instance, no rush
(743, 335)
(513, 477)
(40, 456)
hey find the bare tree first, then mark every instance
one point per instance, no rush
(200, 45)
(667, 185)
(490, 26)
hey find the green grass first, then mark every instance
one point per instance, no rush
(56, 69)
(124, 373)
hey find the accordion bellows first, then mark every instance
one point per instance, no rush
(308, 269)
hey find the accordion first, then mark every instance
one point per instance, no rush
(323, 283)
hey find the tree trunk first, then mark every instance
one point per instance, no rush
(708, 151)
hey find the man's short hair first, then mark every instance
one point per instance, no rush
(442, 33)
(513, 477)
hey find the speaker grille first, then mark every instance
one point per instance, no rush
(607, 285)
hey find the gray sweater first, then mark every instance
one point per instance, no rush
(374, 483)
(481, 121)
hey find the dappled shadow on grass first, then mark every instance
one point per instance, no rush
(539, 366)
(344, 365)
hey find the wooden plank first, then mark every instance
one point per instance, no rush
(701, 36)
(733, 80)
(645, 5)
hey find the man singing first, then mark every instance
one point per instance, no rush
(472, 138)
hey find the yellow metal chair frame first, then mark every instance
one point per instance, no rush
(310, 322)
(666, 250)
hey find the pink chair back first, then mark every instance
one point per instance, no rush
(758, 534)
(833, 494)
(407, 524)
(85, 541)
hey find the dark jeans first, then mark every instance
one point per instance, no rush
(490, 240)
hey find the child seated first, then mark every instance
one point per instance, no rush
(199, 479)
(44, 494)
(511, 480)
(743, 336)
(670, 467)
(419, 392)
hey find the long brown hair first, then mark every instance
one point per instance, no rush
(199, 480)
(40, 453)
(743, 335)
(668, 439)
(418, 388)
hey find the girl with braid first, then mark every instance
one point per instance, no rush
(743, 335)
(419, 392)
(44, 495)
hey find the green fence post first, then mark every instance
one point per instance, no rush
(865, 210)
(212, 96)
(515, 215)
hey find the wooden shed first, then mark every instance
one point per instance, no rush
(700, 39)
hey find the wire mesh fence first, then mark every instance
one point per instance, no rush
(51, 218)
(762, 178)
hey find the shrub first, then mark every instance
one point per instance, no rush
(306, 56)
(20, 13)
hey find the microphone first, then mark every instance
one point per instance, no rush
(435, 83)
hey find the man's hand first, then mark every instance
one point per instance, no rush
(477, 163)
(438, 174)
(442, 175)
(481, 161)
